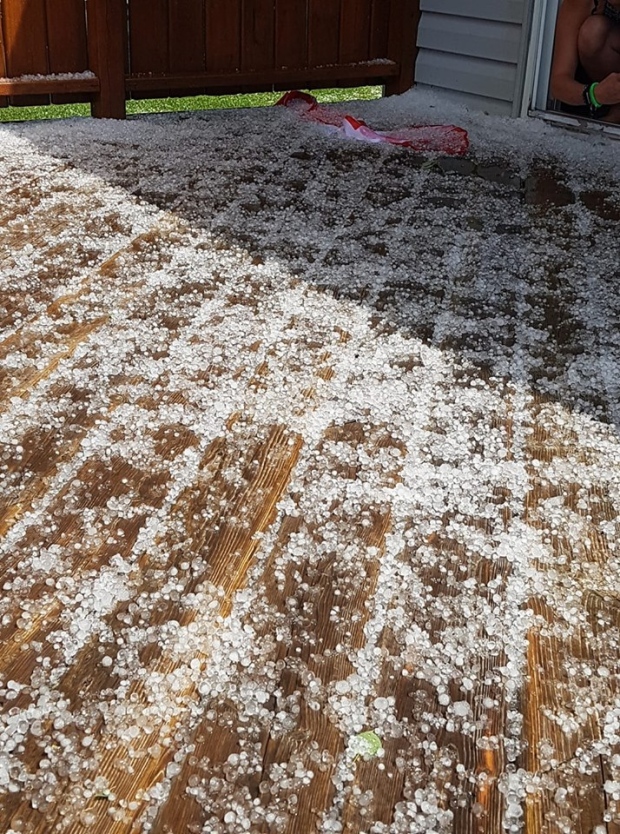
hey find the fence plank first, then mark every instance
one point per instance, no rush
(107, 27)
(380, 28)
(148, 36)
(25, 41)
(66, 38)
(25, 32)
(186, 36)
(324, 35)
(257, 35)
(355, 31)
(291, 33)
(3, 99)
(223, 35)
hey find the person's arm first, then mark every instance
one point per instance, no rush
(563, 86)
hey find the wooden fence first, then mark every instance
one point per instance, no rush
(105, 51)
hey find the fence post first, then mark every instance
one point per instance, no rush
(404, 21)
(107, 21)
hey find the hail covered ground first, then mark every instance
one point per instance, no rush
(310, 466)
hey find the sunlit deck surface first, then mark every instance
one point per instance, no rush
(301, 441)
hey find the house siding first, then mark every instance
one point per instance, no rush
(474, 51)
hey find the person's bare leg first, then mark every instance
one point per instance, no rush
(599, 47)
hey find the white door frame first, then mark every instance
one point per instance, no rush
(540, 54)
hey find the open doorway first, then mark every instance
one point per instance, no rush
(538, 99)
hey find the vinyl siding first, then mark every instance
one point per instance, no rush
(474, 50)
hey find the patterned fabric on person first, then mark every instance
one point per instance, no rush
(609, 11)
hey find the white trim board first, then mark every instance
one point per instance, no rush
(540, 54)
(576, 124)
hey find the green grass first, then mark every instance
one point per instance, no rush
(174, 105)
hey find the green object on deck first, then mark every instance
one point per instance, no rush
(370, 743)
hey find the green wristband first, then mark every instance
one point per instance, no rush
(593, 98)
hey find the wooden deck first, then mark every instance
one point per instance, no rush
(245, 520)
